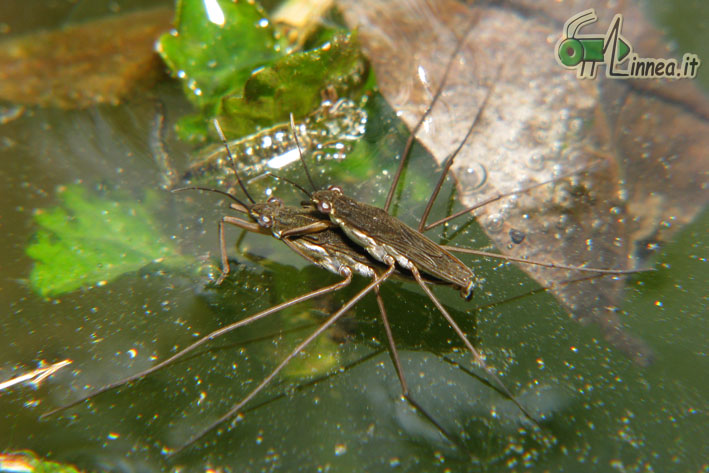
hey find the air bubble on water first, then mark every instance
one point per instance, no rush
(473, 177)
(535, 162)
(557, 146)
(512, 144)
(494, 223)
(541, 136)
(512, 202)
(575, 125)
(517, 236)
(572, 155)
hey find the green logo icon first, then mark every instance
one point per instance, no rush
(585, 52)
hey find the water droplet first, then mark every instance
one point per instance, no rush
(494, 223)
(575, 125)
(536, 162)
(474, 177)
(517, 236)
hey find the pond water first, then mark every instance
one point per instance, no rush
(338, 408)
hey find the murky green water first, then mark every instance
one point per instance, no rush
(341, 410)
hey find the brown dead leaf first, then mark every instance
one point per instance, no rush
(541, 122)
(83, 65)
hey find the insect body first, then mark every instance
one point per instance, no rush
(305, 232)
(383, 235)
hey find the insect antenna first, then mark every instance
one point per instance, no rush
(300, 153)
(291, 182)
(218, 127)
(209, 189)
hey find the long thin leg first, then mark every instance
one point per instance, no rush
(478, 358)
(331, 320)
(449, 161)
(400, 373)
(501, 196)
(206, 338)
(436, 96)
(471, 251)
(392, 345)
(248, 226)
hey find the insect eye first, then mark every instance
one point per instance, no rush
(324, 207)
(276, 201)
(265, 221)
(336, 189)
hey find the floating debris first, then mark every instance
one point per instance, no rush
(330, 132)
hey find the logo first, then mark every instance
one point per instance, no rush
(585, 52)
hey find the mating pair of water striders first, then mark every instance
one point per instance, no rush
(348, 237)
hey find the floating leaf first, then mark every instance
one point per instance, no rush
(89, 240)
(26, 461)
(217, 45)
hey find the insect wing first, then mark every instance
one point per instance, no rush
(383, 234)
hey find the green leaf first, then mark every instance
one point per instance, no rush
(89, 240)
(214, 52)
(29, 461)
(294, 84)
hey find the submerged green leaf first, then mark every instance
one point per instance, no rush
(89, 240)
(215, 50)
(295, 84)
